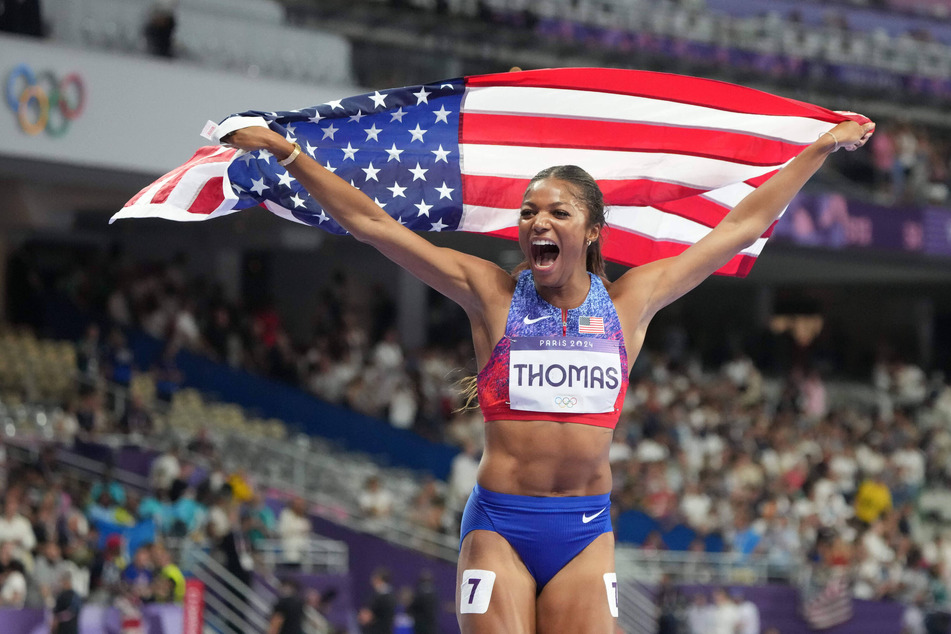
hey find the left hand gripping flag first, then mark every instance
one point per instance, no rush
(672, 154)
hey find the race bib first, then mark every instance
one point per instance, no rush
(564, 374)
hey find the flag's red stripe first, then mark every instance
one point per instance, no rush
(759, 180)
(210, 197)
(631, 249)
(507, 193)
(675, 88)
(528, 131)
(203, 156)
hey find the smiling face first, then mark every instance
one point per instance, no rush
(554, 228)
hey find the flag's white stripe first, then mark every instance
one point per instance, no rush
(730, 195)
(169, 212)
(660, 225)
(678, 169)
(646, 221)
(281, 211)
(581, 104)
(191, 183)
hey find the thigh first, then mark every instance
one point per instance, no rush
(578, 599)
(502, 601)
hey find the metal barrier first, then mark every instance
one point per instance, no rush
(316, 555)
(699, 567)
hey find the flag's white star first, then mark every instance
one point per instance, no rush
(422, 96)
(310, 149)
(445, 192)
(394, 154)
(371, 173)
(418, 172)
(438, 225)
(330, 131)
(329, 167)
(265, 156)
(290, 128)
(322, 217)
(257, 186)
(441, 154)
(378, 203)
(397, 190)
(270, 115)
(423, 208)
(373, 132)
(356, 118)
(397, 116)
(247, 157)
(442, 114)
(449, 86)
(400, 220)
(379, 101)
(349, 152)
(335, 104)
(286, 179)
(417, 133)
(290, 138)
(297, 200)
(316, 118)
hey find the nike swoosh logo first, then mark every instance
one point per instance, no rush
(585, 518)
(531, 320)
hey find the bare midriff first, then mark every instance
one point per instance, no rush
(545, 458)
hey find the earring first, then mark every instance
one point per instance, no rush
(589, 243)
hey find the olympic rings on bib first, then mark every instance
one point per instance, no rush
(43, 101)
(566, 402)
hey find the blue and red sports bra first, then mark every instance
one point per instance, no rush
(557, 364)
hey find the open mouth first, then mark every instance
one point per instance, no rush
(544, 253)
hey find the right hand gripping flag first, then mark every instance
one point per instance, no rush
(672, 154)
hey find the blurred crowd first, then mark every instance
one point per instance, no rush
(794, 475)
(63, 542)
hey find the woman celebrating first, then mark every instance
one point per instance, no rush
(553, 342)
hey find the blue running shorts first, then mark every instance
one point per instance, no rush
(546, 532)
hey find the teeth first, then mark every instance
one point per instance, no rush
(538, 243)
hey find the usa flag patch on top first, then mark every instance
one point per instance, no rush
(591, 325)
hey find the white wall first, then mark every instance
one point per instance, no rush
(142, 114)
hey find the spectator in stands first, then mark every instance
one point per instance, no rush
(136, 418)
(872, 499)
(375, 501)
(165, 469)
(13, 585)
(48, 571)
(15, 529)
(137, 577)
(105, 574)
(294, 529)
(700, 615)
(287, 615)
(462, 477)
(424, 606)
(169, 580)
(160, 28)
(725, 617)
(379, 611)
(66, 607)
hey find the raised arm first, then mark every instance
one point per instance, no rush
(465, 279)
(647, 289)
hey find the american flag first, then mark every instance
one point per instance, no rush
(591, 325)
(831, 605)
(672, 154)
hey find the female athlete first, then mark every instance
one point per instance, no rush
(553, 341)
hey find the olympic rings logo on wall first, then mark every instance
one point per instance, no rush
(566, 402)
(42, 101)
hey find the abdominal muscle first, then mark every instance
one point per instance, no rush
(545, 458)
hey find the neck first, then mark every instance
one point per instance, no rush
(569, 295)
